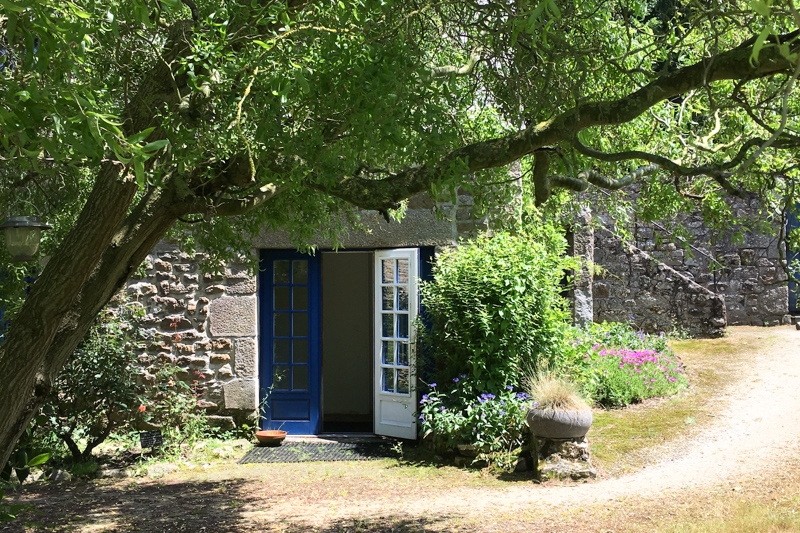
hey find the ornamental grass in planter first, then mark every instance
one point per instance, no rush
(559, 411)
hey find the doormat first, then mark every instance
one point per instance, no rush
(302, 452)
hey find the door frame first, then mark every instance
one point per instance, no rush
(422, 269)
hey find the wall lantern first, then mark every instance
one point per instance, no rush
(23, 235)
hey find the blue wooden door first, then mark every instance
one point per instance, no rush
(290, 341)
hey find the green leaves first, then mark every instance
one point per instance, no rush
(762, 8)
(14, 7)
(494, 304)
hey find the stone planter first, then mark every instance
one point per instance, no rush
(556, 424)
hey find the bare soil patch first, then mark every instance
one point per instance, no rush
(740, 453)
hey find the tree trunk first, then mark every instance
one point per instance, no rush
(24, 353)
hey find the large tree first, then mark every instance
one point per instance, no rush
(122, 120)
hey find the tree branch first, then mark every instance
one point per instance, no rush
(193, 7)
(203, 205)
(541, 182)
(450, 70)
(595, 178)
(717, 172)
(731, 65)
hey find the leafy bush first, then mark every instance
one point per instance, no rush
(97, 391)
(618, 377)
(102, 390)
(172, 405)
(490, 422)
(494, 307)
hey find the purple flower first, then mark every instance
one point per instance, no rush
(522, 396)
(432, 385)
(422, 417)
(502, 412)
(509, 387)
(455, 380)
(463, 376)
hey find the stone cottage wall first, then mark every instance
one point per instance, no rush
(204, 324)
(207, 325)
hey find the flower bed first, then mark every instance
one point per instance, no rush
(616, 366)
(492, 423)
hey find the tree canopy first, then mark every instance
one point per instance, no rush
(121, 119)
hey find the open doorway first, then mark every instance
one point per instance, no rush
(347, 388)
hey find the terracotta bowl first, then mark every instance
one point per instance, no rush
(270, 437)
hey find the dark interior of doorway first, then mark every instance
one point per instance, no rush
(347, 402)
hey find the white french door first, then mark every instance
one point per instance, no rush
(396, 307)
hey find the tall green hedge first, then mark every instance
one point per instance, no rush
(494, 307)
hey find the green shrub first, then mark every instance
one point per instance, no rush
(102, 390)
(619, 377)
(171, 404)
(97, 391)
(494, 307)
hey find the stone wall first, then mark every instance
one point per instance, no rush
(746, 271)
(741, 265)
(205, 325)
(637, 288)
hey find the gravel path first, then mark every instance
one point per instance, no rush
(756, 427)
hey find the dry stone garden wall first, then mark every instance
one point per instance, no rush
(658, 277)
(655, 297)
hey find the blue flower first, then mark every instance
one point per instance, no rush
(463, 375)
(432, 385)
(422, 417)
(455, 380)
(522, 396)
(502, 413)
(509, 387)
(490, 396)
(424, 398)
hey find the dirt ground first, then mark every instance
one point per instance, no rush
(747, 454)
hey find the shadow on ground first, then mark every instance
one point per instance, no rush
(201, 506)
